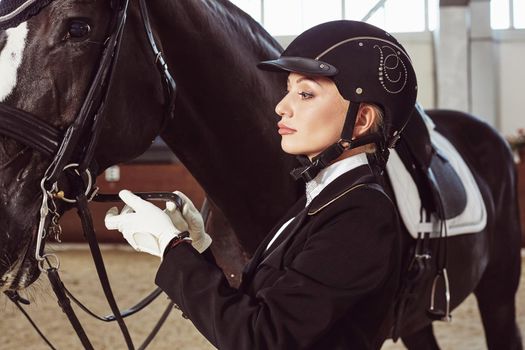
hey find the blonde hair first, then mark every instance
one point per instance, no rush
(376, 127)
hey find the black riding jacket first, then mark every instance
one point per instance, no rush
(327, 282)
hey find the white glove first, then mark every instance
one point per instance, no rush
(146, 227)
(190, 220)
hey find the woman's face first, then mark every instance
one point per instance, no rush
(312, 115)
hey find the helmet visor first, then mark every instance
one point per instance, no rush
(301, 65)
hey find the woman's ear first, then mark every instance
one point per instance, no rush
(365, 120)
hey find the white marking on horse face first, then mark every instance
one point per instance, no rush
(11, 58)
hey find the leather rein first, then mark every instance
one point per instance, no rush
(73, 154)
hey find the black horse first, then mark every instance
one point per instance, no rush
(223, 130)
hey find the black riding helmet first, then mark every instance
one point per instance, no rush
(368, 65)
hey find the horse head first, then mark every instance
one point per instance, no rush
(49, 65)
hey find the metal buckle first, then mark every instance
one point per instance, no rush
(393, 141)
(89, 187)
(344, 144)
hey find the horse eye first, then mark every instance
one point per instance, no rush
(79, 29)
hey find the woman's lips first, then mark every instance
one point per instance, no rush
(284, 130)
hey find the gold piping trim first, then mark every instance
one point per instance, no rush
(336, 198)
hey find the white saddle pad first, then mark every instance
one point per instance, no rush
(473, 218)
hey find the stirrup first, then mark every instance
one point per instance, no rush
(438, 314)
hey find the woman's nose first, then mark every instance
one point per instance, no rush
(282, 109)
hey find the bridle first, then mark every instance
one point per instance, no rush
(73, 154)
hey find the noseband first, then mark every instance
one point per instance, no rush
(73, 152)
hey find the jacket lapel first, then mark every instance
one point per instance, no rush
(348, 180)
(254, 262)
(286, 235)
(361, 174)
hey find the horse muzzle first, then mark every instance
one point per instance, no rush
(19, 277)
(21, 268)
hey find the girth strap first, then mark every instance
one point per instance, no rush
(29, 130)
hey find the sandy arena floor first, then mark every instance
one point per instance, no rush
(132, 277)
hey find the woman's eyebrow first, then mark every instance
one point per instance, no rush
(300, 79)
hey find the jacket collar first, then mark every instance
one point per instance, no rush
(332, 172)
(340, 186)
(292, 212)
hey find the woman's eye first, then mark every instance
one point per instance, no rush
(305, 95)
(78, 29)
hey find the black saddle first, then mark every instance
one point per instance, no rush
(441, 192)
(439, 186)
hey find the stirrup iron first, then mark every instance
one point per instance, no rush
(438, 314)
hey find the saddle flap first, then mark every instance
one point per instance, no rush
(449, 192)
(443, 190)
(439, 186)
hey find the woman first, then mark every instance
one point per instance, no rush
(326, 276)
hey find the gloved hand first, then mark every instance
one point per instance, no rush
(146, 227)
(189, 220)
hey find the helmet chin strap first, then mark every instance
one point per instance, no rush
(309, 169)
